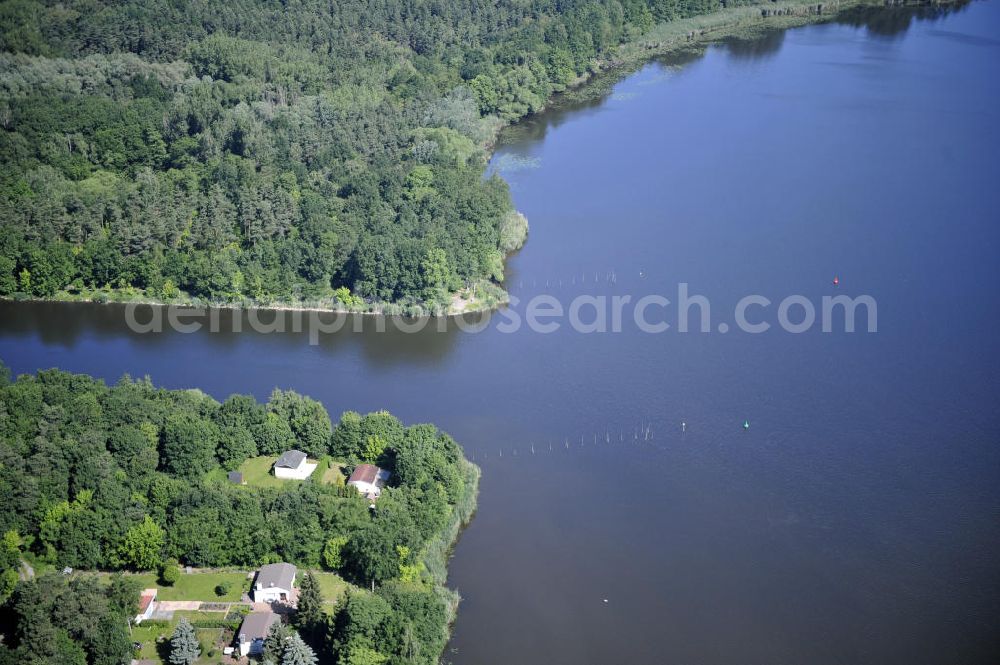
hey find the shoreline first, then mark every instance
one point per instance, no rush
(412, 310)
(440, 550)
(696, 33)
(669, 38)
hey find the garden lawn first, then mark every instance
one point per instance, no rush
(199, 586)
(332, 472)
(257, 472)
(160, 651)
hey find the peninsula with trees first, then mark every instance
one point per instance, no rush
(273, 153)
(112, 492)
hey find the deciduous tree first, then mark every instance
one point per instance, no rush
(142, 546)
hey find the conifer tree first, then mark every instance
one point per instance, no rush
(298, 652)
(309, 615)
(184, 647)
(274, 643)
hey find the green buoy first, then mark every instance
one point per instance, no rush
(746, 424)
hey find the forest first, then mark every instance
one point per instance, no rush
(270, 151)
(131, 477)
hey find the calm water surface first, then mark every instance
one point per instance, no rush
(858, 519)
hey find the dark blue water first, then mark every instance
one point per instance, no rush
(857, 520)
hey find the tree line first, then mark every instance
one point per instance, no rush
(275, 151)
(132, 477)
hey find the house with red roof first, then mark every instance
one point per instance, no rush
(369, 480)
(147, 605)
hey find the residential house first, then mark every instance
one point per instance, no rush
(369, 479)
(274, 583)
(147, 605)
(253, 631)
(293, 464)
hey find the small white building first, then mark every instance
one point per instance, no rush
(369, 479)
(147, 605)
(253, 631)
(293, 464)
(274, 583)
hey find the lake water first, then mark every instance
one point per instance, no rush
(857, 520)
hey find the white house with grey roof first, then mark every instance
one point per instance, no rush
(293, 464)
(274, 583)
(253, 631)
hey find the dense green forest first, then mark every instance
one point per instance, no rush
(131, 477)
(277, 151)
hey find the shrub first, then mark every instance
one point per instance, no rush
(222, 588)
(169, 572)
(513, 231)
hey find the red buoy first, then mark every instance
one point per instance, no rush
(836, 281)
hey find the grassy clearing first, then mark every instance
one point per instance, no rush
(199, 586)
(257, 472)
(332, 586)
(331, 472)
(37, 564)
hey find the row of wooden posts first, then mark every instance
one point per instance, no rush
(641, 433)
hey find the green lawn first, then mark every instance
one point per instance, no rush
(198, 586)
(333, 472)
(332, 586)
(257, 472)
(201, 586)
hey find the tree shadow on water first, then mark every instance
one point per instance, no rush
(763, 46)
(893, 22)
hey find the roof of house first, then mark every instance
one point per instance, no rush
(280, 575)
(235, 477)
(291, 459)
(369, 473)
(147, 597)
(255, 625)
